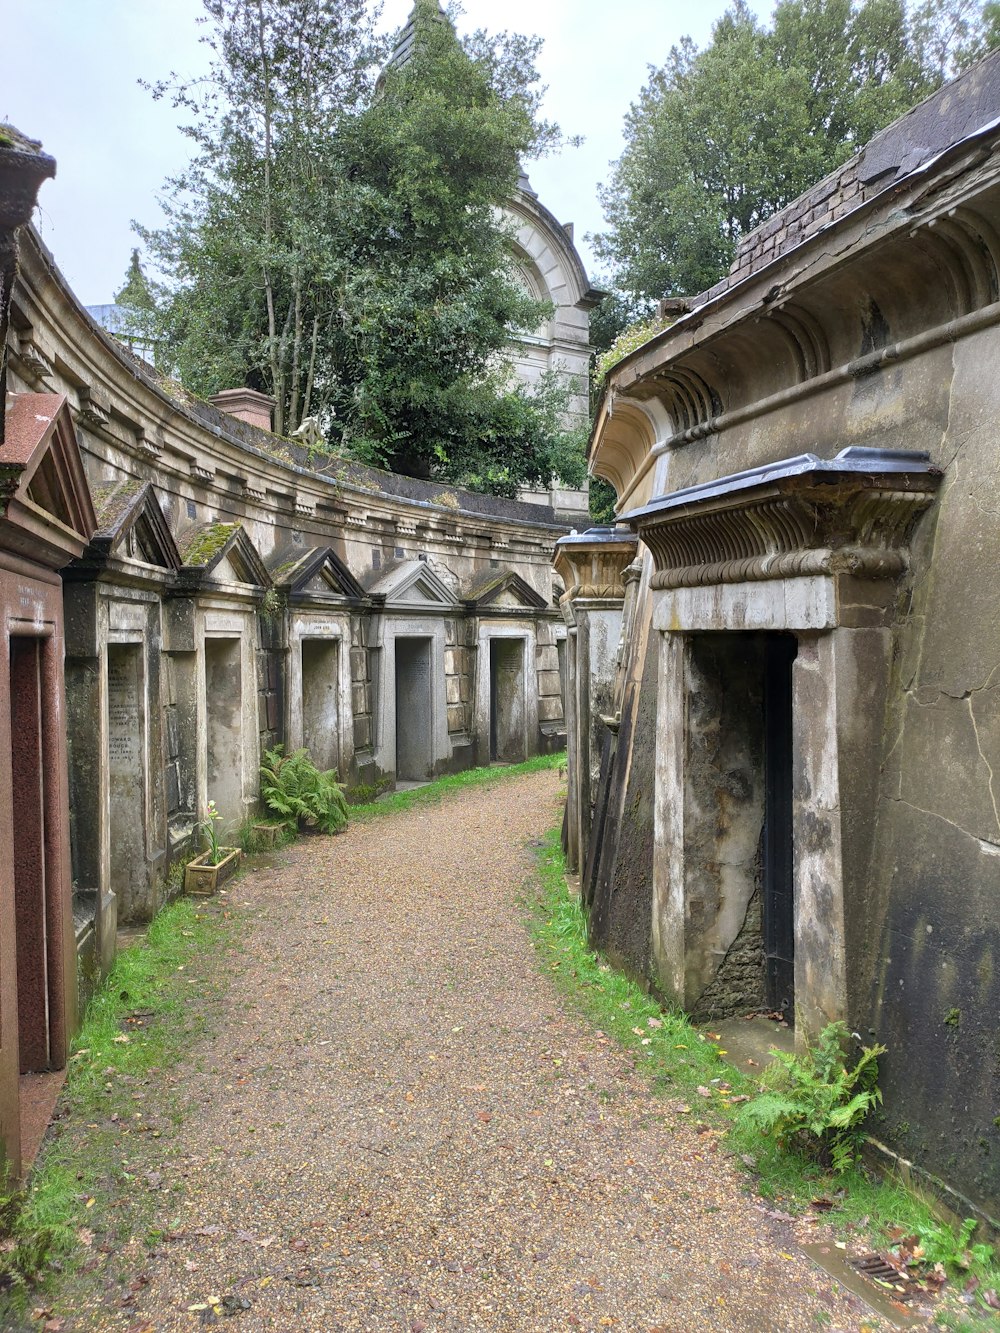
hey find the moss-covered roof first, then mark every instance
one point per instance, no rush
(200, 545)
(113, 501)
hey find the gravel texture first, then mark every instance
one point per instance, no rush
(397, 1124)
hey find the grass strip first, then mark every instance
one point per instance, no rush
(684, 1064)
(143, 1017)
(432, 793)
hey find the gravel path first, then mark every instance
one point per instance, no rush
(398, 1124)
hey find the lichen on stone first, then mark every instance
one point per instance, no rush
(204, 543)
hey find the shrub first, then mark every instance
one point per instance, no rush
(816, 1102)
(297, 791)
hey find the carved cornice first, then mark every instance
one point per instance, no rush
(592, 564)
(802, 516)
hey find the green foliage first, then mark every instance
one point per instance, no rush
(628, 341)
(955, 1250)
(433, 792)
(111, 1054)
(294, 788)
(343, 247)
(816, 1102)
(722, 138)
(603, 498)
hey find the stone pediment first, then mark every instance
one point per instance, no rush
(222, 553)
(413, 585)
(318, 574)
(131, 525)
(46, 510)
(801, 516)
(502, 590)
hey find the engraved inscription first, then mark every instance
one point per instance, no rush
(123, 712)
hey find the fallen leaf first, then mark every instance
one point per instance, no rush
(703, 1091)
(85, 1236)
(682, 1109)
(265, 1281)
(54, 1325)
(121, 1039)
(484, 1116)
(298, 1244)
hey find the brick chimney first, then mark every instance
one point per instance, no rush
(245, 405)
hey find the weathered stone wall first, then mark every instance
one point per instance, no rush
(883, 331)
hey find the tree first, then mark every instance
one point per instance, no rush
(431, 298)
(722, 138)
(341, 245)
(252, 274)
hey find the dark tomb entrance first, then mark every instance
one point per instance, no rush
(507, 704)
(778, 903)
(37, 964)
(738, 824)
(320, 712)
(414, 715)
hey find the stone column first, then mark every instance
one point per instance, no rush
(592, 566)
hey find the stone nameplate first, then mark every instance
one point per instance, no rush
(219, 622)
(31, 606)
(127, 616)
(319, 629)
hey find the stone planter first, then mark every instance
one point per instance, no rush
(267, 835)
(202, 879)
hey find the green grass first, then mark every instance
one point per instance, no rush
(679, 1060)
(140, 1021)
(434, 792)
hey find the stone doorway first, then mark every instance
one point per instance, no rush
(414, 714)
(36, 968)
(320, 663)
(738, 820)
(507, 701)
(224, 711)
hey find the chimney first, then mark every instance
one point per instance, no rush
(245, 405)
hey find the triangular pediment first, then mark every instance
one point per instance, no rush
(46, 510)
(132, 526)
(503, 589)
(317, 573)
(223, 553)
(413, 584)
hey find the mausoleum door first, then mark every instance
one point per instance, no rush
(778, 912)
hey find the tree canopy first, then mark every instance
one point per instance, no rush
(338, 239)
(720, 139)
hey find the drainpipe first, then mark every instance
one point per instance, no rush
(23, 167)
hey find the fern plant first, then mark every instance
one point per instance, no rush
(817, 1102)
(300, 793)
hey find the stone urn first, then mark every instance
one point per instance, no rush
(23, 167)
(202, 878)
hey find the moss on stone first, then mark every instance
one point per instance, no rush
(111, 502)
(206, 543)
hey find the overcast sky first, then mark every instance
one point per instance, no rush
(70, 79)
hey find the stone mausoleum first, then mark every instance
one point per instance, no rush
(784, 661)
(180, 589)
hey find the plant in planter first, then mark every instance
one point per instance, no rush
(213, 867)
(300, 793)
